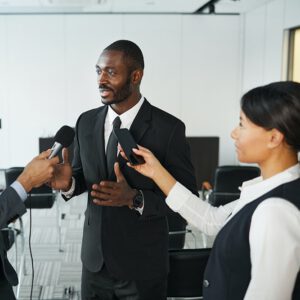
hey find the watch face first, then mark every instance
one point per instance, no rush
(138, 200)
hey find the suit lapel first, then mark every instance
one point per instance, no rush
(141, 122)
(139, 125)
(98, 136)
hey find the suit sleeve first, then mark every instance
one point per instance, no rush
(178, 162)
(80, 185)
(11, 206)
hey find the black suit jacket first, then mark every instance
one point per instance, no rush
(11, 206)
(133, 246)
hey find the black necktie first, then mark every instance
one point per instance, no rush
(111, 150)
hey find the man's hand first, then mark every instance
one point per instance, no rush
(38, 171)
(62, 173)
(110, 193)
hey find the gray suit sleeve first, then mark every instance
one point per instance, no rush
(11, 206)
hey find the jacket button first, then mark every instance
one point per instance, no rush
(205, 283)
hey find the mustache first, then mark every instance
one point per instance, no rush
(105, 87)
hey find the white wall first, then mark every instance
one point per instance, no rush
(264, 29)
(47, 73)
(4, 142)
(211, 79)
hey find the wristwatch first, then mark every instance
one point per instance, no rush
(138, 199)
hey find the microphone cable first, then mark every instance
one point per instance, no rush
(29, 244)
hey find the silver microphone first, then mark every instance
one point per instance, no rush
(63, 139)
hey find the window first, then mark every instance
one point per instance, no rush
(294, 55)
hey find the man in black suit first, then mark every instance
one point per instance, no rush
(36, 173)
(125, 235)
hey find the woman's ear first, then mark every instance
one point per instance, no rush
(276, 138)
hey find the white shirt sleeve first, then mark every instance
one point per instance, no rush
(199, 213)
(18, 187)
(68, 194)
(275, 250)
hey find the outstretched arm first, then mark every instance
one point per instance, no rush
(201, 214)
(37, 172)
(153, 169)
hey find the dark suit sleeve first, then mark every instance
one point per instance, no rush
(11, 206)
(80, 186)
(178, 162)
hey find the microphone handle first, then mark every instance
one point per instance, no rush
(55, 149)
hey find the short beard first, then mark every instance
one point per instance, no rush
(122, 95)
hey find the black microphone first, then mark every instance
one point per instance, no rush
(63, 139)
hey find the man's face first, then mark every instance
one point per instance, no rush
(114, 79)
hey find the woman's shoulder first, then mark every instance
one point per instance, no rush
(276, 211)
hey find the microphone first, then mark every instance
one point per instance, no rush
(63, 139)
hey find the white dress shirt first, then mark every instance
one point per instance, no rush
(274, 232)
(127, 119)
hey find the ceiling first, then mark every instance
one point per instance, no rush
(126, 6)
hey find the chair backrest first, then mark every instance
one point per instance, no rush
(41, 197)
(227, 181)
(12, 174)
(186, 273)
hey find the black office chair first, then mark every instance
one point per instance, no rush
(227, 181)
(185, 279)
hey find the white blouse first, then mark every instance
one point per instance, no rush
(274, 233)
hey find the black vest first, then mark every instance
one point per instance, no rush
(228, 270)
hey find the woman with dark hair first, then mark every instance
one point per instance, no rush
(256, 254)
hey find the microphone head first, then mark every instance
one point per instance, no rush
(65, 136)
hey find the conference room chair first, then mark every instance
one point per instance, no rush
(227, 180)
(185, 278)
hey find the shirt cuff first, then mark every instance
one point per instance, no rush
(18, 187)
(68, 194)
(178, 196)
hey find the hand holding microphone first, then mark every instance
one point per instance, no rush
(38, 171)
(44, 167)
(63, 139)
(61, 179)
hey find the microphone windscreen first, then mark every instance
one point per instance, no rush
(65, 136)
